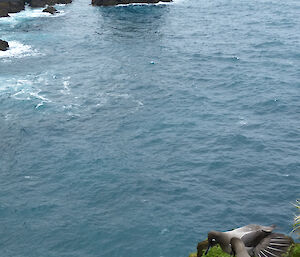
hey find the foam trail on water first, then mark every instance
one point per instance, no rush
(17, 50)
(25, 90)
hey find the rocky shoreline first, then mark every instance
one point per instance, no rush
(14, 6)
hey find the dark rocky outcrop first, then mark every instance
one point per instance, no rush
(3, 13)
(43, 3)
(50, 9)
(3, 45)
(11, 6)
(116, 2)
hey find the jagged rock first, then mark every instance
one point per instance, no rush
(104, 2)
(37, 3)
(11, 6)
(3, 45)
(43, 3)
(3, 13)
(116, 2)
(64, 1)
(50, 9)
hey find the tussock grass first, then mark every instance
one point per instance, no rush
(216, 251)
(296, 228)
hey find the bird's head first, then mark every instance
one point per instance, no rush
(212, 238)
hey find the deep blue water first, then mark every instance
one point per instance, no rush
(133, 131)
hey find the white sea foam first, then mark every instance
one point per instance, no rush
(242, 121)
(160, 3)
(66, 84)
(17, 50)
(34, 13)
(25, 90)
(30, 13)
(179, 1)
(164, 231)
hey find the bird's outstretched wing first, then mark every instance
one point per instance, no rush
(274, 245)
(252, 239)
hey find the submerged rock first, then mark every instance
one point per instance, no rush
(116, 2)
(3, 45)
(50, 9)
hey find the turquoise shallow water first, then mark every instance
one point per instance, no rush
(132, 131)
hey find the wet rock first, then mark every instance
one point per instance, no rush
(50, 9)
(3, 45)
(116, 2)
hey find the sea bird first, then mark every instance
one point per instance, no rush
(258, 240)
(238, 247)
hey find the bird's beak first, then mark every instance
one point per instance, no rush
(208, 247)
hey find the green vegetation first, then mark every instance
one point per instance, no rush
(296, 251)
(217, 252)
(297, 219)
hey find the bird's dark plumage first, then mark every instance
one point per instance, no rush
(258, 240)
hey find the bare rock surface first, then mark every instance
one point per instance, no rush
(11, 6)
(3, 45)
(50, 9)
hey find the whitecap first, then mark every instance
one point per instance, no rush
(164, 231)
(139, 103)
(242, 121)
(17, 50)
(66, 84)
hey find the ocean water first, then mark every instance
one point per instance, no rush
(134, 130)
